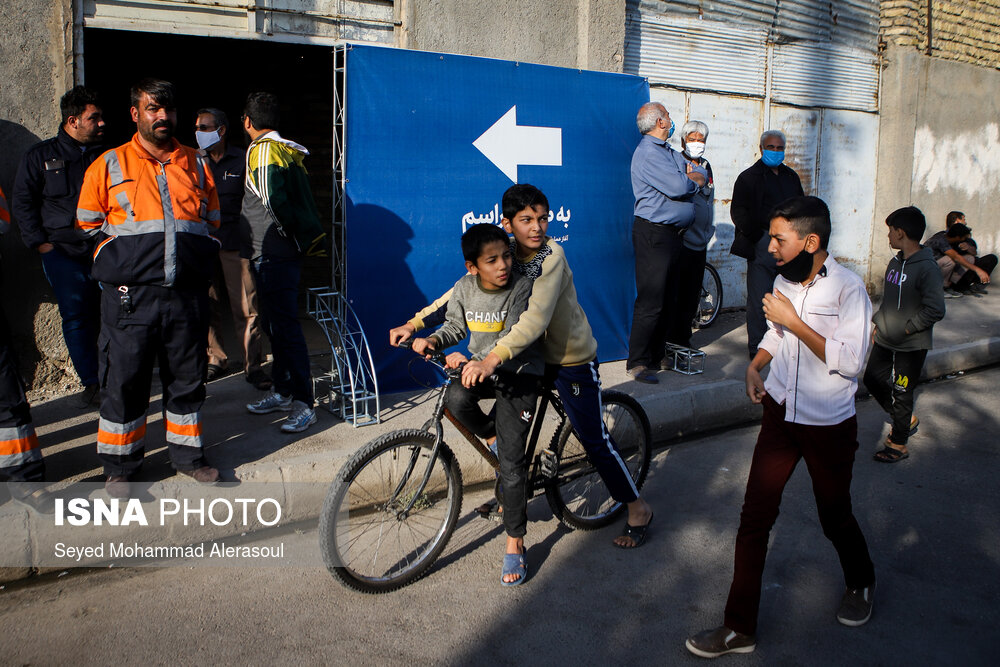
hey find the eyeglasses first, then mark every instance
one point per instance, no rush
(204, 128)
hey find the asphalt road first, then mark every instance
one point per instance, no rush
(931, 523)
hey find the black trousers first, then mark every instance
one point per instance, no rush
(891, 377)
(969, 278)
(690, 275)
(167, 327)
(20, 454)
(657, 259)
(516, 398)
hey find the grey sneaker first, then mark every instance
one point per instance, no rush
(856, 607)
(302, 417)
(720, 641)
(950, 293)
(273, 402)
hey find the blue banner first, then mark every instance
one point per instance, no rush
(433, 141)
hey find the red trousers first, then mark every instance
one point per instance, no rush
(829, 455)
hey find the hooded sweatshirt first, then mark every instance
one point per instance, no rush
(912, 301)
(279, 218)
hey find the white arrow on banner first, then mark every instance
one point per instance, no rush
(507, 144)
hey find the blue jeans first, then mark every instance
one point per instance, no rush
(278, 301)
(79, 299)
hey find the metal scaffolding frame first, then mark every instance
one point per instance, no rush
(350, 386)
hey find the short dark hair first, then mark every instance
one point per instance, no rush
(161, 92)
(521, 196)
(221, 119)
(262, 110)
(953, 217)
(910, 220)
(478, 236)
(958, 230)
(75, 102)
(806, 215)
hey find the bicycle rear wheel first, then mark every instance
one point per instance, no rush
(368, 544)
(578, 496)
(711, 298)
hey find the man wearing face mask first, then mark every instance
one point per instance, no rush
(228, 165)
(664, 184)
(757, 190)
(691, 267)
(43, 204)
(152, 206)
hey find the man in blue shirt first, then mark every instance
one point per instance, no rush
(663, 184)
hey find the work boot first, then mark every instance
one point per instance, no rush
(118, 486)
(32, 495)
(204, 474)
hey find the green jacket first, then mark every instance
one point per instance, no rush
(276, 175)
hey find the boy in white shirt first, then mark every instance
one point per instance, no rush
(819, 329)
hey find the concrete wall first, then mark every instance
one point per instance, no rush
(588, 34)
(939, 146)
(36, 62)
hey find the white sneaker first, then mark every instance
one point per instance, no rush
(302, 417)
(273, 402)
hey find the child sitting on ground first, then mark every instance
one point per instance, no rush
(487, 301)
(912, 301)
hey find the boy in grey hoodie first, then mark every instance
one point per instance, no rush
(912, 301)
(487, 302)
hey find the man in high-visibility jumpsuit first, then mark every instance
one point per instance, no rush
(20, 456)
(152, 205)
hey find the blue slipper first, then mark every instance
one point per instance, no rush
(514, 564)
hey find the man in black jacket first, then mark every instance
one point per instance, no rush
(43, 205)
(761, 187)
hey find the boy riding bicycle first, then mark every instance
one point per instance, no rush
(554, 315)
(486, 302)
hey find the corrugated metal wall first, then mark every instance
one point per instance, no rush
(822, 52)
(808, 67)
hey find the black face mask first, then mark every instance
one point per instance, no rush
(798, 268)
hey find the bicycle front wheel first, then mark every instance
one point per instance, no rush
(578, 496)
(368, 542)
(711, 298)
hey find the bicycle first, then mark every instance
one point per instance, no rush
(711, 298)
(395, 503)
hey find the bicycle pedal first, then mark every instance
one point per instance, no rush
(548, 464)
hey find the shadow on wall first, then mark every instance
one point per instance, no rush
(26, 297)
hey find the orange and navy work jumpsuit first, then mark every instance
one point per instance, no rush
(20, 455)
(154, 258)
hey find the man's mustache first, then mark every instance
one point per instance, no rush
(163, 123)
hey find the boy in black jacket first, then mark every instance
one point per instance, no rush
(912, 301)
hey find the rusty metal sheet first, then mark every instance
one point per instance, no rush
(827, 75)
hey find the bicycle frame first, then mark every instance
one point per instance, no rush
(548, 395)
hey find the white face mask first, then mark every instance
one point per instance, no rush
(695, 148)
(207, 139)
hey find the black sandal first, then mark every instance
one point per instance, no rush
(637, 533)
(890, 455)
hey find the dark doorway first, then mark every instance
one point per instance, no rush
(220, 72)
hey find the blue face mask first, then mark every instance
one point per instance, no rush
(670, 132)
(772, 158)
